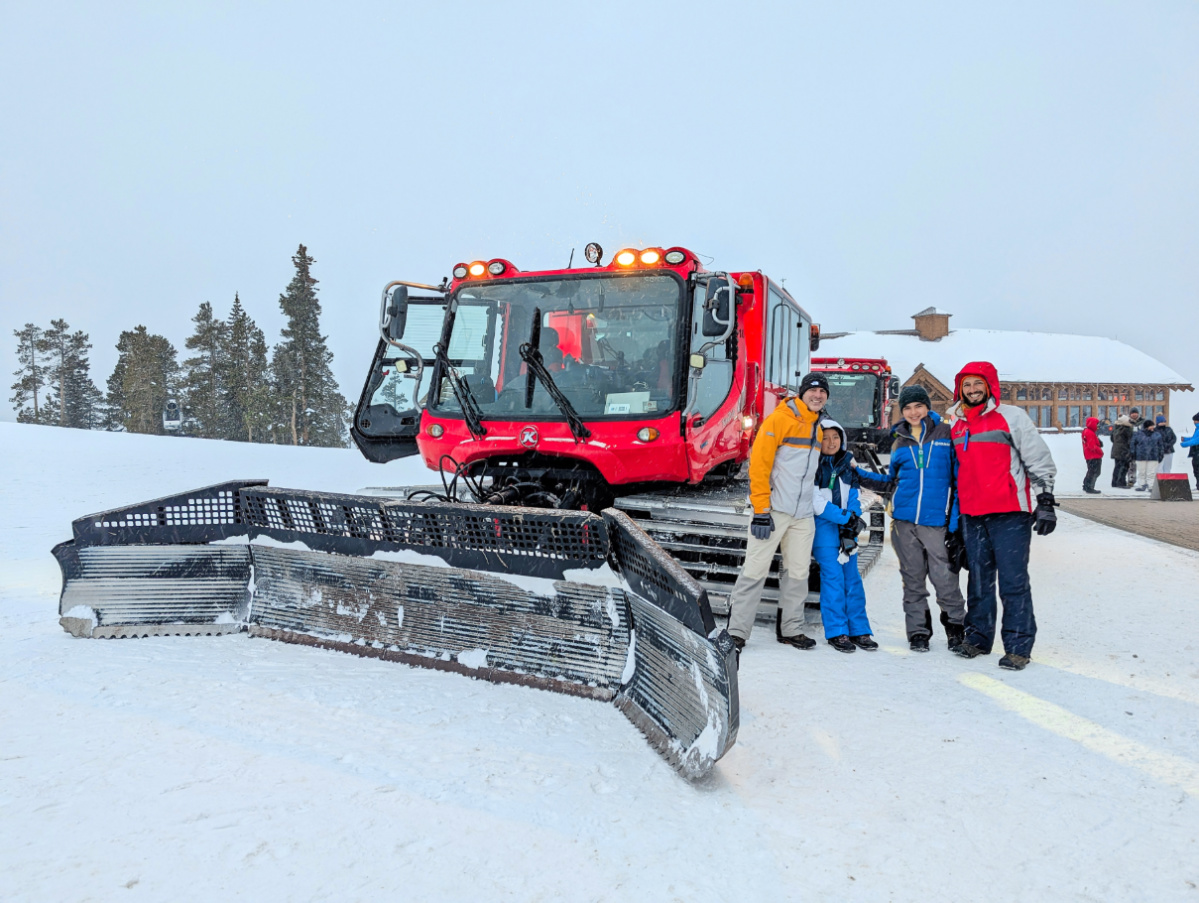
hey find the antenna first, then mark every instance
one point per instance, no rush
(572, 259)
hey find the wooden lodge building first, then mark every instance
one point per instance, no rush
(1059, 380)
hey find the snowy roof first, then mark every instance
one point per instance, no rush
(1018, 356)
(931, 312)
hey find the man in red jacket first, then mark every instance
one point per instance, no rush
(1092, 452)
(1001, 459)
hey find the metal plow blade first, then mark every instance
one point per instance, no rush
(564, 601)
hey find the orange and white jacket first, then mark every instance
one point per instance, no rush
(783, 460)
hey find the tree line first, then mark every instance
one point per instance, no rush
(231, 387)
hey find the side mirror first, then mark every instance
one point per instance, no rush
(717, 308)
(395, 313)
(895, 387)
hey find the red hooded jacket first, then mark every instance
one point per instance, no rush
(1092, 447)
(1001, 456)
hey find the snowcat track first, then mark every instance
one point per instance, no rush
(571, 602)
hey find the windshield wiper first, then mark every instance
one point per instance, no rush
(461, 389)
(531, 355)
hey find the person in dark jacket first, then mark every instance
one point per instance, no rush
(1122, 431)
(1002, 460)
(1192, 442)
(838, 511)
(1092, 452)
(920, 478)
(1169, 438)
(1147, 450)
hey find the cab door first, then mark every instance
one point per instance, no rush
(387, 419)
(712, 424)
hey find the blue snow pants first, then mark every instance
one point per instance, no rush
(997, 548)
(842, 596)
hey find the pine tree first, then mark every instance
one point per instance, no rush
(314, 411)
(145, 376)
(84, 402)
(31, 375)
(207, 413)
(245, 382)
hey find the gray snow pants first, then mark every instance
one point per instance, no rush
(921, 553)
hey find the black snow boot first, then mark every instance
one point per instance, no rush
(967, 651)
(738, 644)
(864, 641)
(1013, 662)
(918, 643)
(799, 641)
(842, 644)
(955, 635)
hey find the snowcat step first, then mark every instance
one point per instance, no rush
(572, 602)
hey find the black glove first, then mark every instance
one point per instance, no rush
(848, 540)
(1046, 518)
(761, 526)
(955, 548)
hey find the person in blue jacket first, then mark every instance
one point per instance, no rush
(924, 518)
(1191, 443)
(838, 520)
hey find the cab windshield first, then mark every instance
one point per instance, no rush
(851, 399)
(610, 344)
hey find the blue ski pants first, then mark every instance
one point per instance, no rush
(842, 596)
(997, 548)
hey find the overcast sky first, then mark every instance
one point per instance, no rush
(1023, 165)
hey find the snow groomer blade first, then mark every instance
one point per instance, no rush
(547, 599)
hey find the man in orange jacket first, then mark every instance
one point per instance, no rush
(782, 473)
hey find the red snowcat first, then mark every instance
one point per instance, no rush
(861, 392)
(589, 427)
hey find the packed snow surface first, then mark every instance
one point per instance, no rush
(202, 768)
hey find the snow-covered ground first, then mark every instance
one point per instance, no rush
(208, 768)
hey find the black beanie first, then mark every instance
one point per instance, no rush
(1196, 418)
(914, 395)
(813, 381)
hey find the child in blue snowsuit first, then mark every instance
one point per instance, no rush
(842, 596)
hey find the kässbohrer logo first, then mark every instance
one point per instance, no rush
(529, 437)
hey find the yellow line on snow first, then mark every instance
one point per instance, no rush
(1164, 767)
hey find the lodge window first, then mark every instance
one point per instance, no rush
(1161, 395)
(1022, 394)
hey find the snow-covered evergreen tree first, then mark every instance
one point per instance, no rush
(249, 400)
(313, 411)
(72, 399)
(208, 415)
(28, 390)
(145, 376)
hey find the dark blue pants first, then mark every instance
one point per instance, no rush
(997, 547)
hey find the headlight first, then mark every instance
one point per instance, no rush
(478, 268)
(496, 267)
(675, 257)
(626, 258)
(650, 257)
(647, 434)
(460, 271)
(436, 430)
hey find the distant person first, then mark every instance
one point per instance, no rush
(920, 480)
(1192, 442)
(1147, 450)
(1122, 431)
(1092, 452)
(782, 484)
(1169, 439)
(1002, 460)
(1134, 417)
(835, 548)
